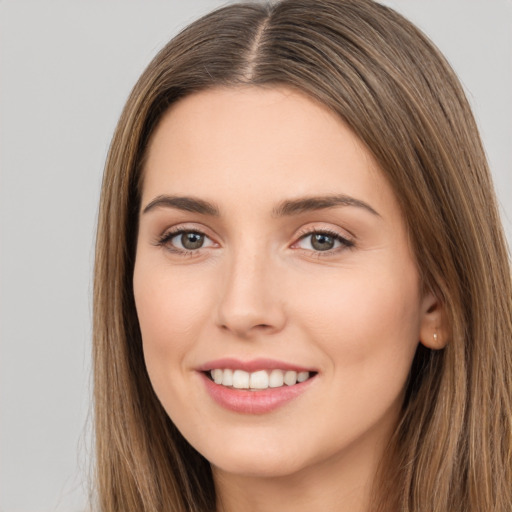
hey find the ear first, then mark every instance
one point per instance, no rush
(434, 330)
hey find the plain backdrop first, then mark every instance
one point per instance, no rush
(66, 69)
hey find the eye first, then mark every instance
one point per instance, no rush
(323, 241)
(185, 241)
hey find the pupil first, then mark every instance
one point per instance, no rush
(322, 242)
(192, 240)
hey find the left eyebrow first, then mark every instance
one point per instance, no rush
(311, 203)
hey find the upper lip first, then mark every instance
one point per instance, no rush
(252, 365)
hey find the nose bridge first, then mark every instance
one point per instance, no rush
(250, 299)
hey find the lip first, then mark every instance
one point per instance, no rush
(245, 401)
(251, 366)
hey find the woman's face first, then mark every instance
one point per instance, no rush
(271, 249)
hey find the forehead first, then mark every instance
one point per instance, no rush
(251, 143)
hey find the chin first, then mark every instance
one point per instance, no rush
(256, 459)
(257, 467)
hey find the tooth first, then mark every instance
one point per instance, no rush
(259, 380)
(227, 379)
(290, 378)
(302, 376)
(217, 376)
(276, 379)
(240, 379)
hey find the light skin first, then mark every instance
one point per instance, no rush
(329, 285)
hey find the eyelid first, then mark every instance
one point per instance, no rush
(186, 227)
(321, 227)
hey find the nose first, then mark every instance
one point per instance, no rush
(251, 297)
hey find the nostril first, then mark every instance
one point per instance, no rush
(245, 328)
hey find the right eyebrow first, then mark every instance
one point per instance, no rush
(188, 204)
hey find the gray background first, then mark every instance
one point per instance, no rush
(66, 69)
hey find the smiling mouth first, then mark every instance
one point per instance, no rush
(258, 380)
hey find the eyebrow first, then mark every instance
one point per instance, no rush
(307, 204)
(188, 204)
(284, 209)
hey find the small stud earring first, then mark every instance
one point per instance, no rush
(435, 338)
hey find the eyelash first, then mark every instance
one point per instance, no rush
(164, 241)
(345, 243)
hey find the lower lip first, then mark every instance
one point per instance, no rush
(254, 402)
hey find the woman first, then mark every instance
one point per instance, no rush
(302, 291)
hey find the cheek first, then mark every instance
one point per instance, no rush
(368, 326)
(369, 321)
(171, 308)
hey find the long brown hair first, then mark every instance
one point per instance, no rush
(452, 449)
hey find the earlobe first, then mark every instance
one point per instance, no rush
(433, 328)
